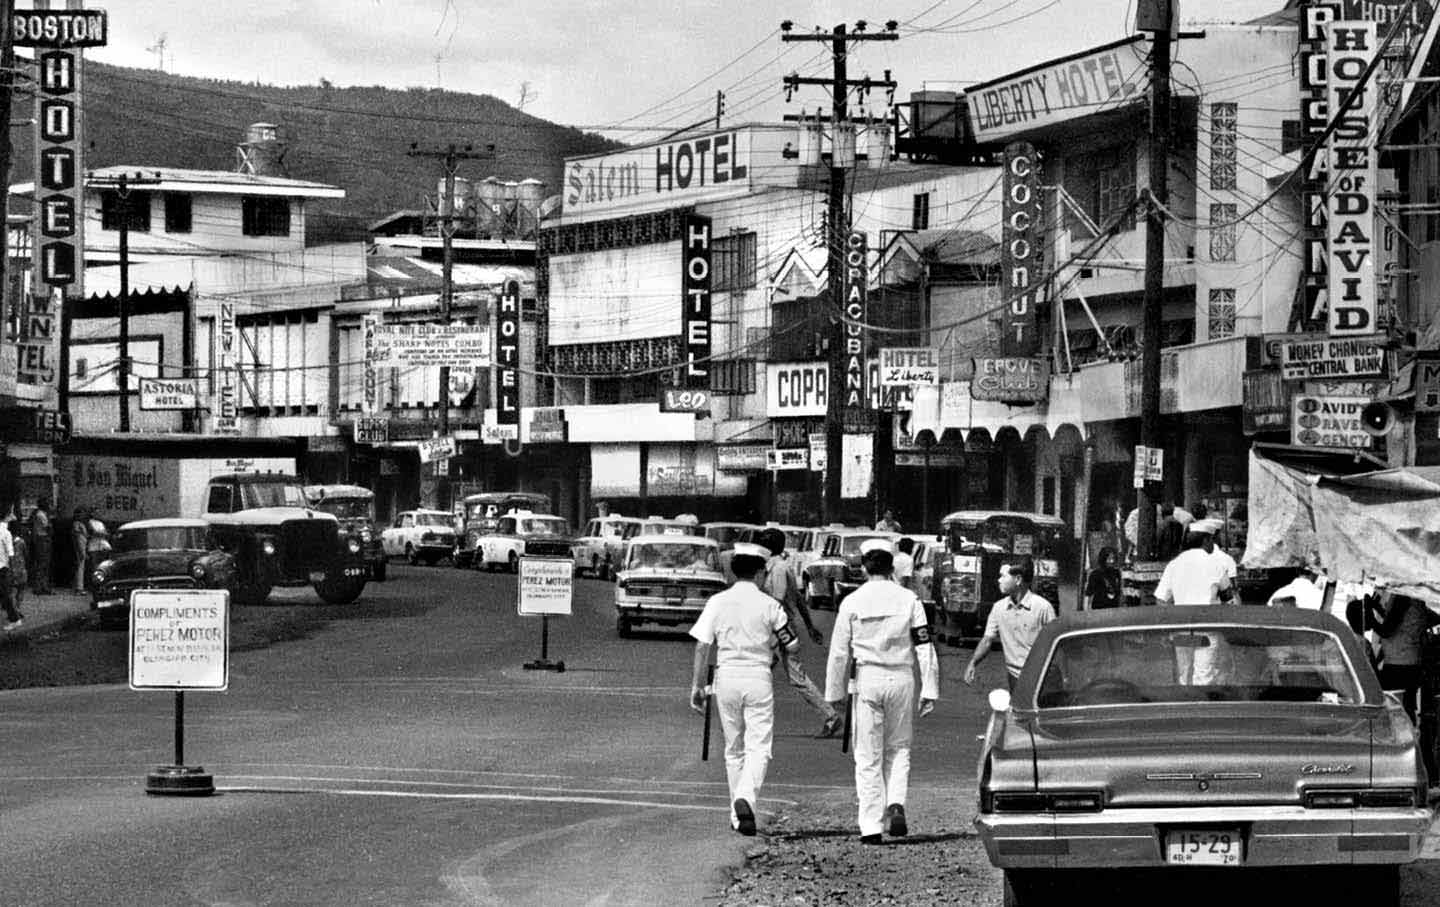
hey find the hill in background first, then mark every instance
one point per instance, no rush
(354, 138)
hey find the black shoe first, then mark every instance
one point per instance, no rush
(895, 820)
(745, 818)
(830, 728)
(871, 839)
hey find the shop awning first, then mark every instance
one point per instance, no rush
(950, 407)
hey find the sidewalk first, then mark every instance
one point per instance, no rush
(46, 613)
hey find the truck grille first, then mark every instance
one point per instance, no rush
(306, 545)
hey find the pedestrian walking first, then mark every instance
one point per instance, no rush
(1401, 622)
(1102, 586)
(79, 546)
(1305, 591)
(1014, 622)
(779, 583)
(40, 538)
(881, 634)
(888, 523)
(904, 571)
(19, 567)
(1195, 576)
(1169, 534)
(740, 627)
(13, 617)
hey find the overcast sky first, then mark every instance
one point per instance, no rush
(616, 62)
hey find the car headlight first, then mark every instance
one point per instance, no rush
(353, 545)
(197, 570)
(268, 546)
(366, 534)
(99, 576)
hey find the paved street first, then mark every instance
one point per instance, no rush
(402, 755)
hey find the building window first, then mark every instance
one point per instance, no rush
(177, 212)
(1222, 313)
(1115, 185)
(110, 207)
(1222, 232)
(733, 261)
(920, 214)
(732, 377)
(265, 216)
(1222, 144)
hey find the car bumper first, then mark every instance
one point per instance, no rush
(658, 612)
(1271, 835)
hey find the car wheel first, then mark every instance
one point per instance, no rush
(411, 555)
(378, 571)
(623, 627)
(341, 590)
(595, 570)
(1025, 889)
(514, 562)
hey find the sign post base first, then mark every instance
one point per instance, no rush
(543, 663)
(180, 781)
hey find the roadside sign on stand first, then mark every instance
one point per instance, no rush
(546, 587)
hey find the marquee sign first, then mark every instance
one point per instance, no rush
(856, 289)
(1352, 180)
(677, 172)
(507, 357)
(1020, 251)
(60, 28)
(226, 409)
(695, 320)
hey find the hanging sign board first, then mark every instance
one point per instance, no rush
(909, 366)
(817, 452)
(499, 434)
(1319, 357)
(507, 358)
(169, 393)
(1353, 178)
(673, 400)
(1010, 380)
(857, 289)
(695, 316)
(59, 28)
(432, 449)
(741, 457)
(179, 639)
(1020, 246)
(796, 389)
(453, 345)
(546, 587)
(1329, 421)
(778, 458)
(370, 430)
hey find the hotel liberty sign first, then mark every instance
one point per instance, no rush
(1052, 93)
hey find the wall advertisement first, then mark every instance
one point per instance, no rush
(458, 346)
(1319, 357)
(1352, 180)
(678, 172)
(593, 295)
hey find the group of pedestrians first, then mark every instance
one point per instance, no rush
(25, 561)
(879, 641)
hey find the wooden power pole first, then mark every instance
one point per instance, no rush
(123, 185)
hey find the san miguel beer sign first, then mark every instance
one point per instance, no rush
(1020, 251)
(695, 318)
(856, 288)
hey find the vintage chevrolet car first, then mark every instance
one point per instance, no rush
(666, 579)
(1199, 737)
(837, 571)
(157, 554)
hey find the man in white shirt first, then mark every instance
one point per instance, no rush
(1303, 591)
(881, 629)
(1015, 621)
(1196, 578)
(741, 626)
(904, 571)
(13, 617)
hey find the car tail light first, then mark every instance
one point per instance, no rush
(1367, 798)
(1030, 802)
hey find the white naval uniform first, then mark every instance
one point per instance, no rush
(874, 627)
(742, 623)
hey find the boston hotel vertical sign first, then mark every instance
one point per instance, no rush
(57, 36)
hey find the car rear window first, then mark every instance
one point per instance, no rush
(673, 556)
(1202, 663)
(543, 527)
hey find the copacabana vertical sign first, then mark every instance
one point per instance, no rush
(1353, 177)
(179, 639)
(857, 289)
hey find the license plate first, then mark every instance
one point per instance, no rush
(317, 576)
(1203, 847)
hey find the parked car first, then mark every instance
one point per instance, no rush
(354, 507)
(838, 570)
(978, 542)
(815, 587)
(654, 525)
(278, 539)
(157, 554)
(522, 533)
(666, 579)
(420, 536)
(1199, 737)
(726, 535)
(602, 544)
(481, 512)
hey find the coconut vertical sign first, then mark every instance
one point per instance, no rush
(58, 231)
(1020, 251)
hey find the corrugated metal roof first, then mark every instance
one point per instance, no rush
(227, 182)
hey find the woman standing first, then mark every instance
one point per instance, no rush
(79, 546)
(1102, 587)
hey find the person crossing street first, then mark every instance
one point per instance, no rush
(740, 627)
(779, 583)
(880, 629)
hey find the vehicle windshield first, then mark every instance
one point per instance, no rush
(544, 527)
(727, 536)
(347, 508)
(433, 519)
(1007, 535)
(851, 543)
(668, 529)
(673, 556)
(161, 537)
(1209, 663)
(795, 540)
(492, 508)
(273, 494)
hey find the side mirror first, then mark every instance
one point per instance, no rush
(999, 700)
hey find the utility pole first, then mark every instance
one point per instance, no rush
(1150, 493)
(7, 72)
(837, 230)
(450, 158)
(123, 185)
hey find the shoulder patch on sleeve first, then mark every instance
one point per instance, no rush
(785, 635)
(920, 635)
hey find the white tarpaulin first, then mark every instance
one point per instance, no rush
(1379, 526)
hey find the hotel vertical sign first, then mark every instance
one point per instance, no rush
(507, 359)
(59, 242)
(695, 317)
(857, 290)
(1020, 251)
(1352, 177)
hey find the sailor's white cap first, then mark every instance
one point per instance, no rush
(870, 545)
(749, 549)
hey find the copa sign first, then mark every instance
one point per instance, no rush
(797, 389)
